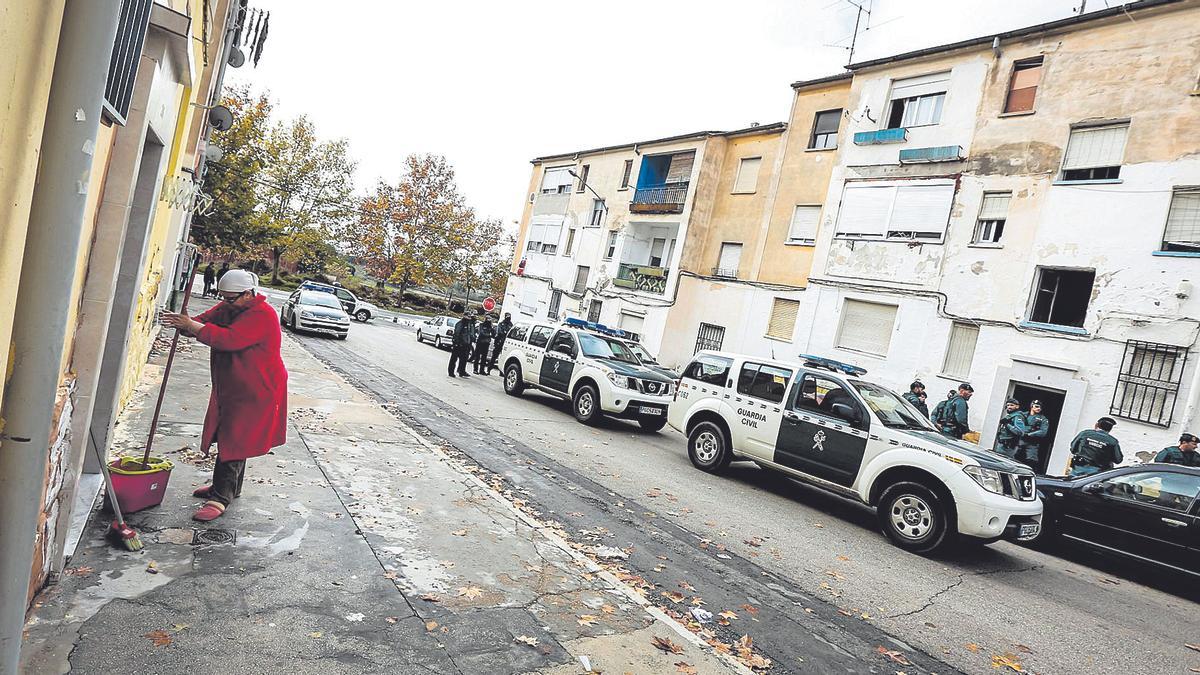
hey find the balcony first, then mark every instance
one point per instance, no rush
(643, 278)
(665, 198)
(944, 153)
(725, 272)
(881, 136)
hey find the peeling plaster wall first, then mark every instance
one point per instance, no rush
(57, 473)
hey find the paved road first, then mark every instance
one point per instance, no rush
(815, 551)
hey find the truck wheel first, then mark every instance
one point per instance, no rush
(708, 448)
(913, 517)
(362, 315)
(652, 423)
(513, 384)
(587, 404)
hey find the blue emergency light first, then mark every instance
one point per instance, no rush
(595, 327)
(832, 365)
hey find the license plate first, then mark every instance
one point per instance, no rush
(1028, 530)
(652, 411)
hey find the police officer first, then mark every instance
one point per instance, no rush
(483, 344)
(461, 342)
(502, 329)
(939, 410)
(916, 396)
(954, 416)
(1184, 453)
(1037, 426)
(1011, 430)
(1095, 450)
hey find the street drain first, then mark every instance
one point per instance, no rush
(213, 536)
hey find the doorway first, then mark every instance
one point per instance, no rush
(1052, 407)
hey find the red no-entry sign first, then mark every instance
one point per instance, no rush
(489, 304)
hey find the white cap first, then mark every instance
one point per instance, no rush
(237, 281)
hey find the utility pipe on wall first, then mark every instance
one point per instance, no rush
(85, 44)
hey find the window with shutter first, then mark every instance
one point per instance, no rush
(865, 210)
(912, 210)
(125, 58)
(581, 278)
(747, 175)
(625, 174)
(960, 350)
(1022, 88)
(993, 214)
(1183, 221)
(631, 323)
(611, 247)
(1095, 153)
(866, 327)
(729, 260)
(803, 229)
(598, 210)
(783, 318)
(570, 242)
(918, 101)
(557, 180)
(583, 176)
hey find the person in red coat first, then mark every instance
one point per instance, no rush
(247, 409)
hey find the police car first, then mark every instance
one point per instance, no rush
(820, 422)
(589, 365)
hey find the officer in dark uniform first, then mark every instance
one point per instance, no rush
(1037, 426)
(1095, 450)
(939, 410)
(916, 396)
(1184, 453)
(954, 417)
(1011, 430)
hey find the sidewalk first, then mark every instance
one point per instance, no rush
(359, 546)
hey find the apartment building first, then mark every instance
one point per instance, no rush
(1020, 211)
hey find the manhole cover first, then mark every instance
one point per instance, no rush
(214, 536)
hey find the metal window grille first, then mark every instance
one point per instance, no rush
(1148, 384)
(709, 337)
(126, 54)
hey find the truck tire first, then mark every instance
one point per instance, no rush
(708, 448)
(586, 404)
(362, 315)
(652, 423)
(914, 518)
(513, 384)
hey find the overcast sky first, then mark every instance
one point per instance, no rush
(491, 85)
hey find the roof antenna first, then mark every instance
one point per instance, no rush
(857, 22)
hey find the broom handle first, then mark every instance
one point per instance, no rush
(162, 390)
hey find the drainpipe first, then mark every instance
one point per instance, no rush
(85, 44)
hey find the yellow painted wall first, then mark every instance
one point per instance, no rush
(28, 43)
(803, 179)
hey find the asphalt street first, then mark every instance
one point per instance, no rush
(822, 580)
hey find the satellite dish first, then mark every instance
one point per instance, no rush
(220, 118)
(236, 57)
(214, 153)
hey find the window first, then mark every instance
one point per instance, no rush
(866, 327)
(709, 370)
(570, 242)
(729, 261)
(918, 101)
(1183, 221)
(563, 343)
(803, 229)
(557, 181)
(1148, 384)
(625, 173)
(519, 332)
(631, 323)
(581, 277)
(658, 246)
(594, 310)
(125, 58)
(1023, 86)
(747, 175)
(597, 212)
(543, 237)
(1095, 153)
(825, 128)
(1169, 490)
(917, 210)
(783, 318)
(540, 336)
(765, 382)
(709, 337)
(680, 168)
(555, 304)
(1061, 296)
(818, 394)
(960, 350)
(993, 213)
(610, 248)
(583, 176)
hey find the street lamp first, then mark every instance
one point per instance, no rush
(603, 202)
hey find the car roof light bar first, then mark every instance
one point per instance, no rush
(832, 365)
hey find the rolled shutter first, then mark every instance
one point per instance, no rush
(865, 210)
(747, 176)
(1183, 221)
(867, 327)
(783, 318)
(995, 206)
(922, 208)
(960, 350)
(731, 257)
(1096, 147)
(680, 170)
(804, 223)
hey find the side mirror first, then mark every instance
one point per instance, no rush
(845, 412)
(1094, 488)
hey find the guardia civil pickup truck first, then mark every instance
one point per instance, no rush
(589, 365)
(820, 422)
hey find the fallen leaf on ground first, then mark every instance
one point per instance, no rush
(666, 645)
(355, 617)
(685, 668)
(160, 638)
(753, 541)
(686, 586)
(180, 626)
(893, 655)
(315, 635)
(1009, 661)
(460, 533)
(390, 575)
(429, 597)
(728, 614)
(431, 625)
(835, 574)
(81, 571)
(843, 558)
(845, 612)
(470, 592)
(1023, 649)
(526, 640)
(973, 648)
(750, 608)
(392, 619)
(673, 596)
(586, 620)
(608, 609)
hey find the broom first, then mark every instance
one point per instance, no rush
(162, 390)
(119, 532)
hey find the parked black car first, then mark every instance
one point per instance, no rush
(1147, 512)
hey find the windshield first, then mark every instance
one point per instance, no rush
(642, 354)
(320, 300)
(892, 410)
(606, 348)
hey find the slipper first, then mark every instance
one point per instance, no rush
(202, 492)
(210, 511)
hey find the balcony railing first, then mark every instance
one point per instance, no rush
(880, 136)
(945, 153)
(667, 198)
(725, 272)
(644, 278)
